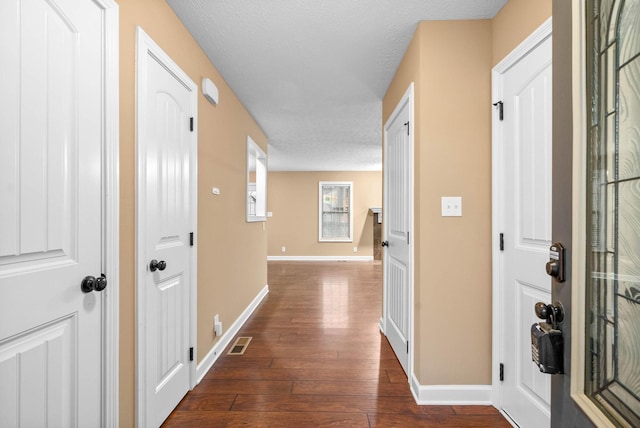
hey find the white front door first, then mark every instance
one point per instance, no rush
(166, 211)
(52, 119)
(525, 209)
(398, 158)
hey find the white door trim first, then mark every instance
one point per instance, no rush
(111, 204)
(144, 45)
(497, 184)
(407, 99)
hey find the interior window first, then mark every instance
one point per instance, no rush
(335, 213)
(256, 191)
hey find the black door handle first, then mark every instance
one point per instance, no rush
(157, 265)
(553, 314)
(91, 283)
(385, 243)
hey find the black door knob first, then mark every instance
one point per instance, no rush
(91, 283)
(553, 314)
(157, 265)
(385, 243)
(101, 283)
(88, 284)
(542, 310)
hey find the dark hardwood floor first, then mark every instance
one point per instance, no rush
(317, 358)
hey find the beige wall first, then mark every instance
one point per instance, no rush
(293, 200)
(515, 21)
(227, 245)
(453, 158)
(231, 252)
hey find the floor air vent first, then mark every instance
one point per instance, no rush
(239, 346)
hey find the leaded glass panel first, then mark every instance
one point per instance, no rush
(613, 289)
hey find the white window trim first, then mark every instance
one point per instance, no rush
(258, 158)
(335, 183)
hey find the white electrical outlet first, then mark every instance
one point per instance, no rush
(284, 249)
(217, 325)
(355, 249)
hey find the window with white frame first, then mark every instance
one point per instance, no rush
(335, 216)
(256, 182)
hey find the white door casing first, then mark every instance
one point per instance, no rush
(167, 159)
(522, 212)
(59, 213)
(398, 207)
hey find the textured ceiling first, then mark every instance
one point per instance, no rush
(313, 72)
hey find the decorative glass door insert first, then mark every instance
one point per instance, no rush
(612, 380)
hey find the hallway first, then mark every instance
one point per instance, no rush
(317, 358)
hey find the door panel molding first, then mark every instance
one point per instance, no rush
(498, 203)
(148, 51)
(397, 231)
(64, 337)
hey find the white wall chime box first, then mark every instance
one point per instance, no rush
(210, 91)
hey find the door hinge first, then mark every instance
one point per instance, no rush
(191, 354)
(407, 346)
(501, 372)
(407, 238)
(407, 125)
(502, 242)
(191, 124)
(500, 106)
(191, 239)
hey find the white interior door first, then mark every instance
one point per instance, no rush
(51, 195)
(398, 158)
(166, 212)
(525, 193)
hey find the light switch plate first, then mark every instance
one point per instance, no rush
(451, 206)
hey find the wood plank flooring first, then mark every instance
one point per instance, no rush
(317, 359)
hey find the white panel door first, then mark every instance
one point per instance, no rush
(166, 151)
(527, 230)
(52, 124)
(397, 223)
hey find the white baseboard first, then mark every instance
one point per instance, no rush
(215, 352)
(322, 258)
(451, 394)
